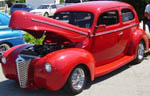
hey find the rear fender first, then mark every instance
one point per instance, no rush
(137, 36)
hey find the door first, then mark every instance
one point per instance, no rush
(52, 10)
(128, 27)
(106, 39)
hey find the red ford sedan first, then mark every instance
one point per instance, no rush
(82, 41)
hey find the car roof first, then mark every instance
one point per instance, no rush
(93, 6)
(20, 4)
(49, 4)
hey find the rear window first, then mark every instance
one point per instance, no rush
(127, 15)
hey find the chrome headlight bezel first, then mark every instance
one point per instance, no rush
(3, 59)
(48, 67)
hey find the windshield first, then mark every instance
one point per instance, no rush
(43, 7)
(81, 19)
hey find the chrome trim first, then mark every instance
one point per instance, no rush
(29, 56)
(78, 78)
(55, 25)
(22, 70)
(10, 38)
(109, 32)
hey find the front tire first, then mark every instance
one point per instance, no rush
(46, 14)
(140, 53)
(77, 81)
(3, 48)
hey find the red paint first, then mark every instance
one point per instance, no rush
(101, 50)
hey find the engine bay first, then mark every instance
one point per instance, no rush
(42, 50)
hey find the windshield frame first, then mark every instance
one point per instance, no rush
(90, 20)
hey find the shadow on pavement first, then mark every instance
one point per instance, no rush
(107, 76)
(111, 74)
(11, 88)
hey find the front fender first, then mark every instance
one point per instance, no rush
(137, 36)
(63, 62)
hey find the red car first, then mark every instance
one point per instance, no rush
(82, 42)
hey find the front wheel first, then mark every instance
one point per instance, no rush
(140, 53)
(3, 48)
(46, 14)
(77, 81)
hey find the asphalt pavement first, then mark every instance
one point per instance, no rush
(130, 80)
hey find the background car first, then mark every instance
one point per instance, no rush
(8, 37)
(45, 10)
(21, 6)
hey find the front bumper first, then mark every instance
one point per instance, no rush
(30, 71)
(31, 74)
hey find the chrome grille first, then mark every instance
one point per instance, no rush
(22, 70)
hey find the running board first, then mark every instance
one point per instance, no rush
(102, 70)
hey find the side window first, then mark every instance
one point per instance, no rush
(53, 6)
(109, 18)
(127, 15)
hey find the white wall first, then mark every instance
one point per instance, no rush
(36, 3)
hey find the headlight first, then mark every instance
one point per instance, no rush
(48, 67)
(3, 60)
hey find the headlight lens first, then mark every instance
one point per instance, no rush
(48, 67)
(3, 60)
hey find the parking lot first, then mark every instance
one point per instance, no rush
(130, 80)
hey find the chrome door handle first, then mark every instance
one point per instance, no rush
(121, 33)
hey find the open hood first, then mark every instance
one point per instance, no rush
(37, 25)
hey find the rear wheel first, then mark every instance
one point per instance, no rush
(77, 81)
(140, 53)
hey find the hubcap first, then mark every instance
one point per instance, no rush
(141, 51)
(78, 78)
(3, 48)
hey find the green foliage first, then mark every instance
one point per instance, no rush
(30, 39)
(61, 1)
(21, 1)
(10, 2)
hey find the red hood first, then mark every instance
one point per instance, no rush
(38, 25)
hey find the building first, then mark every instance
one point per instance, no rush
(2, 3)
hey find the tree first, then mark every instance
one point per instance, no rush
(10, 2)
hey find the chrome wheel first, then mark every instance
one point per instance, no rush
(141, 51)
(3, 48)
(78, 79)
